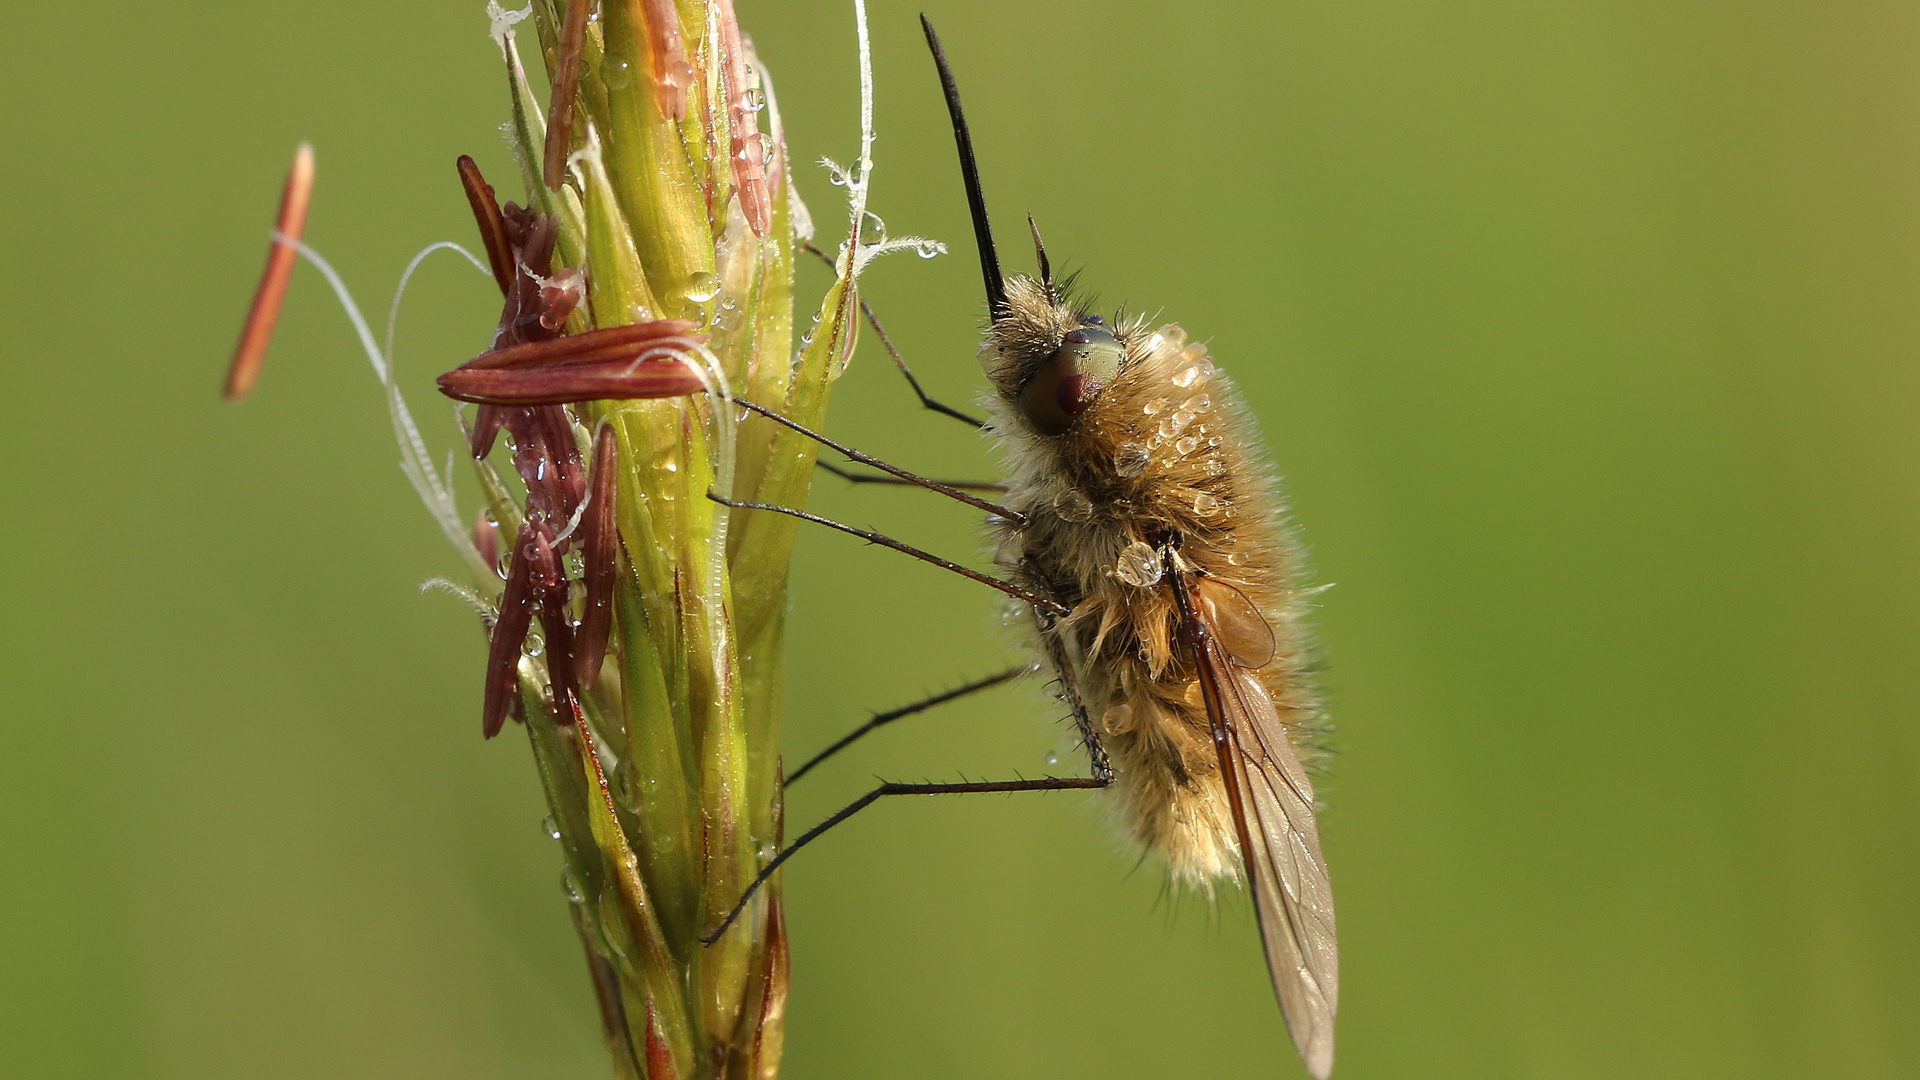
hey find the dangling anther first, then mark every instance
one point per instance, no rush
(257, 333)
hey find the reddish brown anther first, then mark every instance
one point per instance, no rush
(747, 153)
(566, 87)
(487, 422)
(486, 214)
(569, 383)
(591, 347)
(547, 458)
(257, 333)
(599, 546)
(550, 595)
(666, 55)
(509, 631)
(486, 539)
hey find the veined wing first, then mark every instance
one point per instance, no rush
(1272, 803)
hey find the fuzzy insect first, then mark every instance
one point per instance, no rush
(1148, 510)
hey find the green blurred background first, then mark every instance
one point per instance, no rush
(1585, 334)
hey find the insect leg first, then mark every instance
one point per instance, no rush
(869, 478)
(949, 491)
(1045, 783)
(1051, 607)
(891, 715)
(900, 361)
(1063, 668)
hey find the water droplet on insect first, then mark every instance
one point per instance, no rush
(551, 826)
(1186, 445)
(1204, 503)
(1238, 558)
(570, 884)
(1214, 440)
(928, 251)
(1186, 377)
(1074, 506)
(1198, 403)
(1131, 459)
(1139, 566)
(1154, 407)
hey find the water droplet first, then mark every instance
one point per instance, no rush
(1131, 459)
(1186, 445)
(766, 145)
(535, 644)
(1204, 503)
(1186, 377)
(1213, 440)
(670, 466)
(1052, 758)
(576, 563)
(551, 826)
(1154, 407)
(612, 926)
(1139, 566)
(702, 286)
(1074, 506)
(616, 73)
(1198, 403)
(570, 884)
(1238, 558)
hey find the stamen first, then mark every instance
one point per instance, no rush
(747, 153)
(591, 347)
(486, 214)
(667, 56)
(566, 87)
(509, 631)
(658, 373)
(600, 549)
(257, 333)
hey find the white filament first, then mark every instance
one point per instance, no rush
(415, 461)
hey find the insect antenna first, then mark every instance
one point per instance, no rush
(1040, 255)
(970, 174)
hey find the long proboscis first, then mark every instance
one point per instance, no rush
(970, 174)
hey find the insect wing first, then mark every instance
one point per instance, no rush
(1272, 803)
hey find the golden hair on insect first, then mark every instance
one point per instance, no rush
(1143, 506)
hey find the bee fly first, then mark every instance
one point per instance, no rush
(1142, 528)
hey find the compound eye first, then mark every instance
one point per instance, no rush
(1084, 365)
